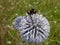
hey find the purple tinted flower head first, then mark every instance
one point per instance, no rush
(34, 28)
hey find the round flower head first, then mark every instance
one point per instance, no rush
(34, 28)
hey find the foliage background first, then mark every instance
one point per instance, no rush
(10, 9)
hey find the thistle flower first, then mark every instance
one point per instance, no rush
(34, 28)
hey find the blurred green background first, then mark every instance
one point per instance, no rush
(10, 9)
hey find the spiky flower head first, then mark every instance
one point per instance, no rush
(34, 28)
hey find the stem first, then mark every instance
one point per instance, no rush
(35, 44)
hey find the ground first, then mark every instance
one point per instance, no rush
(10, 9)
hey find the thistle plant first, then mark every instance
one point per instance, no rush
(33, 28)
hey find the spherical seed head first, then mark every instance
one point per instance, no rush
(35, 32)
